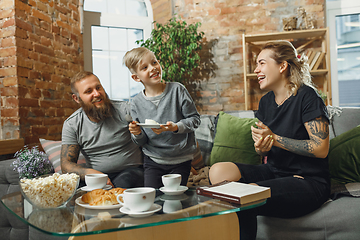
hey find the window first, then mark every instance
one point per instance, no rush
(343, 20)
(111, 28)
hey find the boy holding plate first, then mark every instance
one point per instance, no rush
(170, 147)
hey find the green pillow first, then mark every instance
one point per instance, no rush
(344, 157)
(233, 141)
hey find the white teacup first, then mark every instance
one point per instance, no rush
(138, 199)
(171, 181)
(96, 180)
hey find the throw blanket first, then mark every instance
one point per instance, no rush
(199, 179)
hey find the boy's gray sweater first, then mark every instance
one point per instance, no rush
(175, 105)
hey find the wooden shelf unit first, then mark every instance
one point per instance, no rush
(307, 36)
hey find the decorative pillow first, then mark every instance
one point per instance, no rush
(53, 151)
(233, 141)
(344, 157)
(204, 135)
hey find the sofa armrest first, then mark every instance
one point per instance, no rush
(343, 120)
(11, 146)
(9, 179)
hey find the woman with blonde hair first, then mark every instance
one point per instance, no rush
(293, 132)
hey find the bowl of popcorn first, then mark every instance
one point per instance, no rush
(50, 191)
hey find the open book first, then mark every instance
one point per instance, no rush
(235, 192)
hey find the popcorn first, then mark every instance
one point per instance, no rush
(52, 191)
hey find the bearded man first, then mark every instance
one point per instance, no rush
(99, 129)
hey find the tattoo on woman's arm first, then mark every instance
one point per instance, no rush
(319, 128)
(319, 131)
(301, 147)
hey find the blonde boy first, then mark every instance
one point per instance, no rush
(169, 148)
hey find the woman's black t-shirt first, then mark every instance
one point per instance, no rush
(287, 120)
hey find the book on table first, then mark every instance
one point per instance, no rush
(235, 192)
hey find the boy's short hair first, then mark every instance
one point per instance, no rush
(133, 57)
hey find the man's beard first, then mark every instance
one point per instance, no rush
(97, 113)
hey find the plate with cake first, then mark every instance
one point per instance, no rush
(149, 123)
(100, 199)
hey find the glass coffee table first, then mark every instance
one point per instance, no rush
(77, 220)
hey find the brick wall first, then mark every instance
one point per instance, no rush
(224, 22)
(9, 110)
(162, 10)
(41, 48)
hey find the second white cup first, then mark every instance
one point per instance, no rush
(171, 181)
(137, 199)
(95, 181)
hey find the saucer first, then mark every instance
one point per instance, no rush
(154, 208)
(86, 188)
(179, 191)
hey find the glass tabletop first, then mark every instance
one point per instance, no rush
(78, 220)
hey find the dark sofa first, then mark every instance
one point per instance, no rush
(336, 219)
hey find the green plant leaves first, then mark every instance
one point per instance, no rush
(176, 44)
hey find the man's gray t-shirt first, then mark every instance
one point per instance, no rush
(106, 145)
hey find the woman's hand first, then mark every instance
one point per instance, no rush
(134, 128)
(168, 127)
(263, 138)
(261, 131)
(264, 145)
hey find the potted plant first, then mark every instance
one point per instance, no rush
(176, 45)
(31, 163)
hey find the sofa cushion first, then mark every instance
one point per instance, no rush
(53, 150)
(344, 157)
(233, 141)
(334, 220)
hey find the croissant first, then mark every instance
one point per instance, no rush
(116, 191)
(100, 197)
(104, 200)
(91, 196)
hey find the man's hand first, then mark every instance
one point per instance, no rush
(168, 127)
(69, 156)
(134, 128)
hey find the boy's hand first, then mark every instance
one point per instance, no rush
(168, 127)
(134, 128)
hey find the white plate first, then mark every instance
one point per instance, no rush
(86, 188)
(154, 208)
(179, 191)
(147, 125)
(79, 202)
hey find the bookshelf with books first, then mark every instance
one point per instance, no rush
(314, 43)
